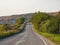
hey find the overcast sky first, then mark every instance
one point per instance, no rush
(9, 7)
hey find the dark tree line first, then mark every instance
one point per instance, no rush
(46, 23)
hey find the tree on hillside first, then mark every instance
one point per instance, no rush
(46, 23)
(19, 21)
(6, 27)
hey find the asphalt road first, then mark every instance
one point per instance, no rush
(28, 37)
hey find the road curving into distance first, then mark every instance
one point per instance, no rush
(27, 37)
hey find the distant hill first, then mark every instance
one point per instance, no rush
(53, 13)
(16, 16)
(28, 15)
(12, 19)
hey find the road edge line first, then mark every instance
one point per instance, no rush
(40, 37)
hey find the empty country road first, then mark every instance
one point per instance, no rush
(28, 37)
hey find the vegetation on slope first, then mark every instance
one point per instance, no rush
(8, 29)
(48, 25)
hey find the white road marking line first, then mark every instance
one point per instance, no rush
(22, 40)
(40, 37)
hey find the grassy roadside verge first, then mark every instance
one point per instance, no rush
(47, 25)
(53, 37)
(4, 34)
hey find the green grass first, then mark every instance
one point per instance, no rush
(4, 34)
(53, 37)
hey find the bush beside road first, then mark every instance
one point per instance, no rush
(8, 30)
(47, 25)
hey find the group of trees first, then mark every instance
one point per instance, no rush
(6, 27)
(10, 29)
(19, 21)
(46, 23)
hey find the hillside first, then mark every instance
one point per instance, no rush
(12, 19)
(53, 13)
(47, 25)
